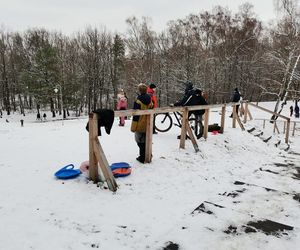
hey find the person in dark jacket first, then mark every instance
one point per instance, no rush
(291, 110)
(139, 122)
(236, 97)
(193, 97)
(296, 109)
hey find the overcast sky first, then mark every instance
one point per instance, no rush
(69, 16)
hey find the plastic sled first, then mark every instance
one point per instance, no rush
(120, 169)
(118, 165)
(67, 172)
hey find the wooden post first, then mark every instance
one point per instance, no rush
(93, 133)
(264, 124)
(287, 130)
(284, 124)
(183, 128)
(246, 112)
(250, 116)
(294, 128)
(149, 133)
(242, 110)
(234, 116)
(206, 118)
(223, 119)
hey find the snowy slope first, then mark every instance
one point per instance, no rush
(206, 200)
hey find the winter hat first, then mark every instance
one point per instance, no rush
(152, 86)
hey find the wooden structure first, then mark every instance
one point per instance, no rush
(97, 157)
(287, 119)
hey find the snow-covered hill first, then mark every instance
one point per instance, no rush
(238, 192)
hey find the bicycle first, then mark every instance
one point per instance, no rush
(164, 122)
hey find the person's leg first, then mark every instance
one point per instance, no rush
(140, 138)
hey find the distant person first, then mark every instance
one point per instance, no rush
(7, 121)
(22, 122)
(291, 110)
(1, 113)
(38, 116)
(151, 90)
(45, 116)
(139, 122)
(236, 97)
(122, 105)
(296, 109)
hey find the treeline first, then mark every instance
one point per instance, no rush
(217, 50)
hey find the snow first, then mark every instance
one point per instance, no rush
(155, 205)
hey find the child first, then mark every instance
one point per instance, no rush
(122, 105)
(139, 122)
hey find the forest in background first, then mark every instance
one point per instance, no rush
(217, 50)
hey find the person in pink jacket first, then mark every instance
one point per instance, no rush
(122, 105)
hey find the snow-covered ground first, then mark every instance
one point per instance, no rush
(217, 198)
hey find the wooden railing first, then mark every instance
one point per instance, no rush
(97, 156)
(288, 120)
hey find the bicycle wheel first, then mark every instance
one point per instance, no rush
(163, 122)
(197, 126)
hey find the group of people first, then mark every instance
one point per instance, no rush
(146, 99)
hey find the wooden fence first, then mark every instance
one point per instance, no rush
(97, 156)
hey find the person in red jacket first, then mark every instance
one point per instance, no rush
(151, 90)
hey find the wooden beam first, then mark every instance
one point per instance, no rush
(223, 119)
(246, 112)
(101, 158)
(206, 120)
(240, 123)
(183, 128)
(268, 111)
(149, 133)
(93, 133)
(234, 115)
(287, 130)
(191, 135)
(249, 114)
(294, 128)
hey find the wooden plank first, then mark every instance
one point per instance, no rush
(284, 124)
(93, 133)
(264, 124)
(240, 123)
(192, 136)
(249, 114)
(269, 111)
(234, 116)
(223, 119)
(294, 128)
(183, 128)
(206, 120)
(246, 112)
(130, 112)
(149, 133)
(287, 130)
(276, 128)
(101, 158)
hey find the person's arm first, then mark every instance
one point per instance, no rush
(136, 106)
